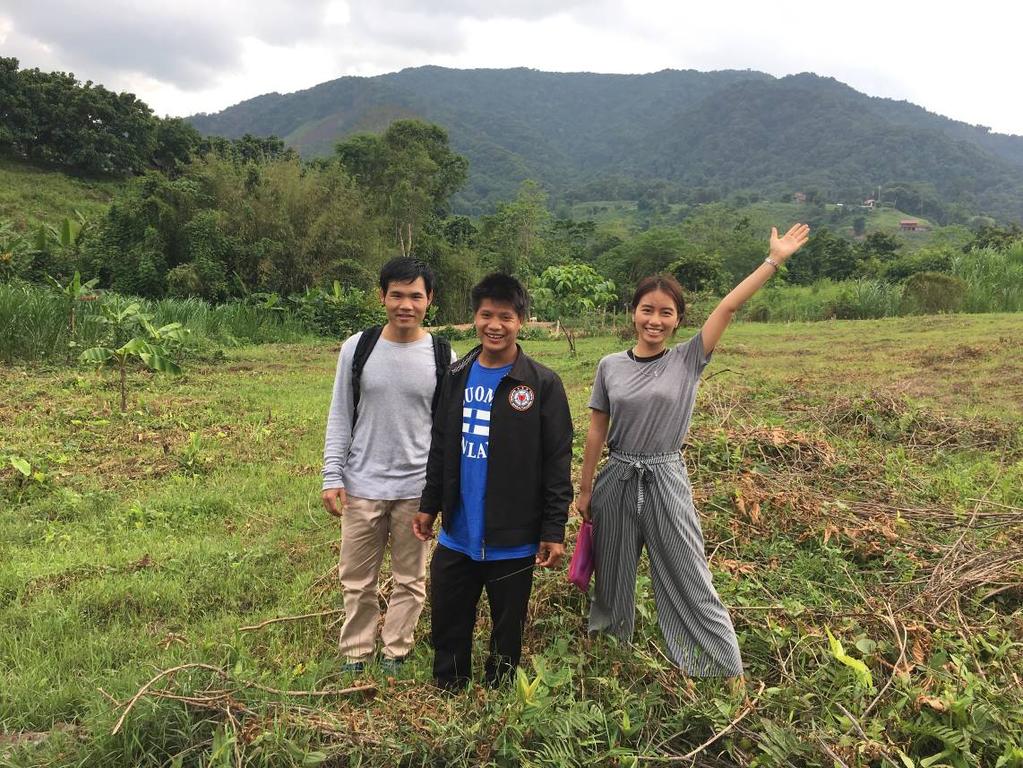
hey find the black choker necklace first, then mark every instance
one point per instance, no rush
(638, 359)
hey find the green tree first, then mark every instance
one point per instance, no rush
(571, 240)
(175, 143)
(515, 235)
(646, 254)
(824, 255)
(880, 245)
(569, 291)
(876, 252)
(699, 273)
(719, 232)
(410, 173)
(993, 236)
(224, 228)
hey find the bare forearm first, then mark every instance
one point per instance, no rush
(744, 291)
(722, 315)
(338, 437)
(781, 248)
(595, 437)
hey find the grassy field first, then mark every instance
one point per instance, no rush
(623, 215)
(860, 477)
(30, 195)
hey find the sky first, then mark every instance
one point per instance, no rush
(186, 56)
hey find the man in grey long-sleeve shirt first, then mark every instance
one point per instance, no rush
(374, 466)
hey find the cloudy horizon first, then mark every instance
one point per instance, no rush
(193, 56)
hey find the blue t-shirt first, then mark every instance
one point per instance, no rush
(466, 528)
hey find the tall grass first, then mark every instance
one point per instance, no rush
(230, 324)
(34, 323)
(994, 283)
(994, 279)
(849, 300)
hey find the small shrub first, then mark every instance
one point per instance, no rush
(529, 333)
(183, 281)
(340, 312)
(699, 272)
(930, 260)
(932, 293)
(451, 333)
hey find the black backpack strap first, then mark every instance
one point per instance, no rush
(363, 349)
(442, 359)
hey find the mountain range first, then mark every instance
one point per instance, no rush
(583, 135)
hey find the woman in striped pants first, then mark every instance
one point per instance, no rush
(641, 406)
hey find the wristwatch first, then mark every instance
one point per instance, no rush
(772, 262)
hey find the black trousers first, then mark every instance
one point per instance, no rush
(456, 582)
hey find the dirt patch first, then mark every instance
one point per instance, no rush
(740, 350)
(64, 580)
(15, 739)
(774, 446)
(891, 418)
(932, 358)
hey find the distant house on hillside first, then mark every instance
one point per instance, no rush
(799, 197)
(869, 203)
(911, 225)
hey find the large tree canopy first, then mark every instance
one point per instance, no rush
(410, 173)
(51, 118)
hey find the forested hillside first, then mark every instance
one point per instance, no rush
(172, 214)
(687, 135)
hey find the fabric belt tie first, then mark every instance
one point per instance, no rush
(639, 465)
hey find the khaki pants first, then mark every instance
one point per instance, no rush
(366, 526)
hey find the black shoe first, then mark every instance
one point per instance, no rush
(387, 664)
(354, 667)
(451, 685)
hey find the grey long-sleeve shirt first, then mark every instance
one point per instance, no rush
(385, 456)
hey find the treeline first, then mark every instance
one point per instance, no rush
(252, 218)
(688, 136)
(263, 223)
(218, 219)
(52, 119)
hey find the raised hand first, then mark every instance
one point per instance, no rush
(784, 246)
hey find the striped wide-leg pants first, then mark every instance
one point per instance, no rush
(647, 500)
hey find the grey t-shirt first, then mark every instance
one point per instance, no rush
(385, 456)
(651, 403)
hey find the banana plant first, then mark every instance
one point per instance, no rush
(66, 235)
(170, 335)
(13, 246)
(75, 291)
(138, 348)
(150, 351)
(121, 318)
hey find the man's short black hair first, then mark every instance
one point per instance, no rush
(405, 270)
(498, 286)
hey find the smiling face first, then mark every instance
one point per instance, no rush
(497, 325)
(656, 318)
(405, 304)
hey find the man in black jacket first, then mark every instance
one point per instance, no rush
(500, 470)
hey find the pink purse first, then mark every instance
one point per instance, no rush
(580, 568)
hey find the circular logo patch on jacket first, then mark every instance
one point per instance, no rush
(521, 398)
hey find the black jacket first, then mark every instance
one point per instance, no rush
(529, 460)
